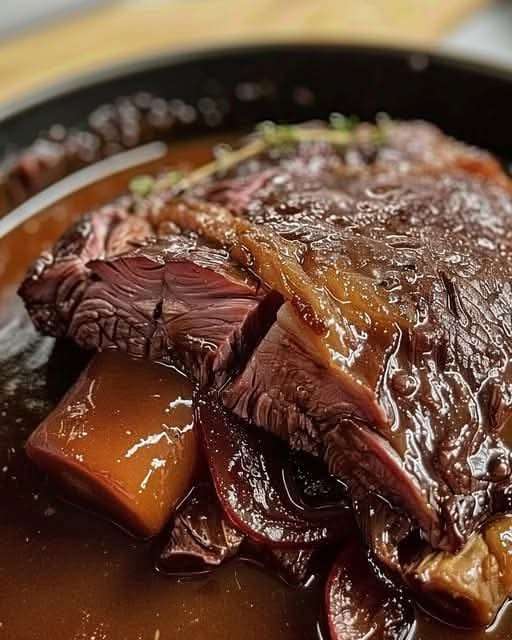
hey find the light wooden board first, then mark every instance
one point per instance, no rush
(142, 27)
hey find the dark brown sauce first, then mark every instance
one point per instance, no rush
(67, 573)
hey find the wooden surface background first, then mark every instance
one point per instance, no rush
(131, 28)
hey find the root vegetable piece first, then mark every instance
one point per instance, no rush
(247, 469)
(122, 439)
(201, 536)
(360, 605)
(472, 584)
(467, 588)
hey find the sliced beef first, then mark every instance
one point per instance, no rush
(56, 281)
(390, 357)
(301, 400)
(174, 297)
(167, 298)
(202, 538)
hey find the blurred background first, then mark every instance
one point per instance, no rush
(42, 41)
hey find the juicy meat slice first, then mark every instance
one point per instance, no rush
(302, 402)
(175, 298)
(202, 538)
(55, 283)
(417, 266)
(107, 285)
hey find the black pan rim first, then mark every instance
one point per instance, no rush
(126, 68)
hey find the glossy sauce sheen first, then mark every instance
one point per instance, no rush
(67, 573)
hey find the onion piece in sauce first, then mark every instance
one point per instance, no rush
(247, 469)
(201, 537)
(360, 604)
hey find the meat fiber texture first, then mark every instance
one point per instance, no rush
(354, 301)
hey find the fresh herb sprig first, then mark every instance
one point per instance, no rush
(142, 185)
(340, 132)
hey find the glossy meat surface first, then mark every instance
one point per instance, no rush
(201, 537)
(362, 606)
(467, 588)
(417, 266)
(248, 471)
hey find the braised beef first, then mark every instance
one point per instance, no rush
(390, 355)
(416, 264)
(111, 128)
(202, 538)
(163, 298)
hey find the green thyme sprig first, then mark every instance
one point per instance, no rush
(142, 185)
(340, 131)
(226, 161)
(169, 180)
(339, 122)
